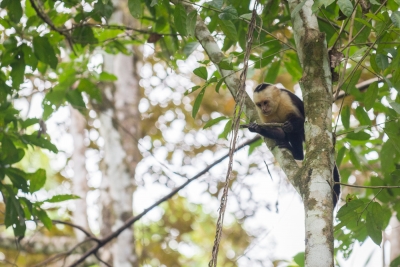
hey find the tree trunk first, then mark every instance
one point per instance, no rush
(120, 120)
(316, 175)
(79, 181)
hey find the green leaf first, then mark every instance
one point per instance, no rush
(216, 3)
(135, 7)
(36, 180)
(247, 16)
(360, 136)
(350, 85)
(395, 17)
(395, 262)
(227, 130)
(293, 66)
(318, 3)
(349, 208)
(214, 121)
(18, 178)
(107, 77)
(15, 10)
(365, 23)
(84, 35)
(362, 116)
(197, 102)
(395, 106)
(56, 95)
(9, 152)
(374, 66)
(194, 88)
(90, 88)
(299, 259)
(44, 218)
(386, 157)
(190, 48)
(39, 141)
(14, 215)
(28, 122)
(382, 61)
(346, 7)
(228, 13)
(225, 64)
(191, 23)
(371, 95)
(60, 198)
(354, 158)
(74, 97)
(254, 145)
(201, 72)
(17, 72)
(340, 155)
(374, 222)
(5, 3)
(229, 29)
(29, 56)
(180, 18)
(345, 116)
(44, 51)
(273, 72)
(218, 86)
(104, 9)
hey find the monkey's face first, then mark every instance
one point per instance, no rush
(267, 100)
(265, 106)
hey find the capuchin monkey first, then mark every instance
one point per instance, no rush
(275, 105)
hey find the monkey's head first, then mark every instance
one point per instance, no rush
(266, 96)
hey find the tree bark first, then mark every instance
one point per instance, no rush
(120, 120)
(316, 178)
(79, 181)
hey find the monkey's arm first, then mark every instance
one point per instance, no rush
(294, 123)
(275, 133)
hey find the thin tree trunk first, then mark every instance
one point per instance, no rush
(79, 181)
(394, 238)
(120, 122)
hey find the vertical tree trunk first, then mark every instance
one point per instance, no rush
(79, 181)
(394, 238)
(120, 120)
(316, 177)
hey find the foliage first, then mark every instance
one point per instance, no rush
(184, 226)
(363, 40)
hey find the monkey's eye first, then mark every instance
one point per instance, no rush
(266, 103)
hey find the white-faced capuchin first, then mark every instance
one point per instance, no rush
(275, 105)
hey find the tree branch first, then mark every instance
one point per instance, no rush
(370, 187)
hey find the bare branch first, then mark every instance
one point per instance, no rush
(264, 125)
(370, 187)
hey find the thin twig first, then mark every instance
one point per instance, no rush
(270, 175)
(88, 234)
(264, 125)
(372, 200)
(240, 99)
(370, 187)
(100, 260)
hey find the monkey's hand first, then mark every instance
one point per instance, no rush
(287, 127)
(254, 127)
